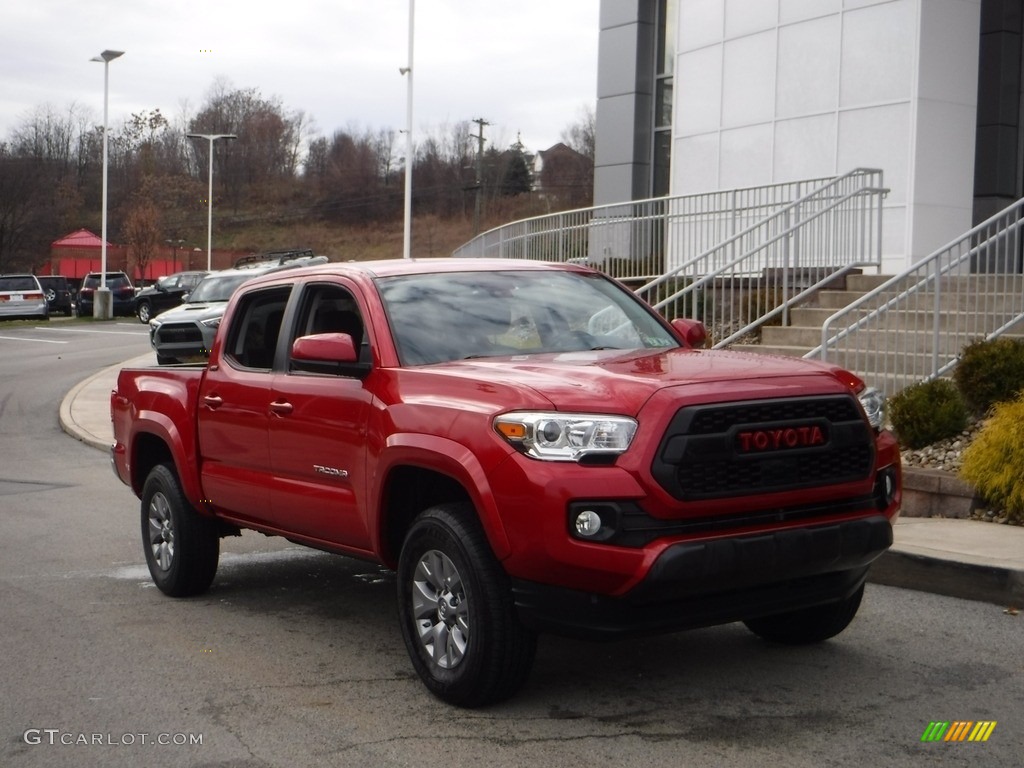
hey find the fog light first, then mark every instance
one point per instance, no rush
(890, 486)
(588, 523)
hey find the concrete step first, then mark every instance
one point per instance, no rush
(951, 340)
(951, 301)
(896, 320)
(980, 282)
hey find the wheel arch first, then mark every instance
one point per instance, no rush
(419, 472)
(150, 448)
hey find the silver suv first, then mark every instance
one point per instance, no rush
(186, 333)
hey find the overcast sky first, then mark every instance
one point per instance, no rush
(525, 66)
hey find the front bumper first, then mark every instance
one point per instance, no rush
(717, 581)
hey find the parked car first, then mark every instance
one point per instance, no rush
(529, 446)
(121, 290)
(165, 294)
(186, 332)
(22, 296)
(58, 293)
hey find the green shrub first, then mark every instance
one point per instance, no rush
(990, 372)
(925, 413)
(994, 461)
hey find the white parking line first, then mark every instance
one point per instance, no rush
(33, 339)
(89, 330)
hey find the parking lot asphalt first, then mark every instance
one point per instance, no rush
(969, 559)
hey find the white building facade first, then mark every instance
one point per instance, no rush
(704, 95)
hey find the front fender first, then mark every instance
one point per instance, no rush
(449, 458)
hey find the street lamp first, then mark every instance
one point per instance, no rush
(211, 137)
(407, 233)
(175, 244)
(102, 307)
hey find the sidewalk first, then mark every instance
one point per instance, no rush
(961, 558)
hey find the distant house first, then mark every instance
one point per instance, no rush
(563, 173)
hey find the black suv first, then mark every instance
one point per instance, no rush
(122, 293)
(58, 293)
(167, 293)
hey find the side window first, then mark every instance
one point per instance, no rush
(330, 308)
(252, 337)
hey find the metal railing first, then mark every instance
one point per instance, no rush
(913, 327)
(753, 277)
(638, 240)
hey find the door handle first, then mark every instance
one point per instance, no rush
(281, 407)
(212, 401)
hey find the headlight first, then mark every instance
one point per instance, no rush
(213, 322)
(873, 403)
(566, 437)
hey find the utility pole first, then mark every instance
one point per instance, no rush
(479, 172)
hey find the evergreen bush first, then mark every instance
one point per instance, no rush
(994, 461)
(990, 372)
(928, 412)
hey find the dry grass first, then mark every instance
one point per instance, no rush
(432, 236)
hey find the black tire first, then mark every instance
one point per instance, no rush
(810, 625)
(143, 312)
(452, 590)
(182, 547)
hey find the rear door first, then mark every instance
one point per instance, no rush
(318, 427)
(234, 408)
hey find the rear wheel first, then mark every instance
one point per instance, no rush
(182, 547)
(810, 625)
(457, 616)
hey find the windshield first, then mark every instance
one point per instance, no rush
(217, 288)
(464, 315)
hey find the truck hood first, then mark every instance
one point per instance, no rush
(610, 381)
(192, 312)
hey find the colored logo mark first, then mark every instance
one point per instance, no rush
(959, 730)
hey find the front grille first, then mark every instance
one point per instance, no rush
(765, 446)
(179, 333)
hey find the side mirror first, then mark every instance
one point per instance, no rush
(691, 332)
(333, 353)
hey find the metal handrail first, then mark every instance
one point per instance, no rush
(913, 327)
(630, 240)
(797, 250)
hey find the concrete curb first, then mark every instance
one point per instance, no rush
(66, 417)
(968, 581)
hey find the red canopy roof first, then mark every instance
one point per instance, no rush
(81, 238)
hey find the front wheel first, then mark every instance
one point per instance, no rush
(457, 616)
(143, 311)
(810, 625)
(182, 547)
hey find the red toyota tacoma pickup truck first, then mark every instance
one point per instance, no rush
(529, 446)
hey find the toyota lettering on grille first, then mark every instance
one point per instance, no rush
(780, 438)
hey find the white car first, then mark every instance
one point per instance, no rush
(22, 296)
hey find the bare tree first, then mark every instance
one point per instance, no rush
(581, 135)
(141, 231)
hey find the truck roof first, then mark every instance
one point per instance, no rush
(393, 267)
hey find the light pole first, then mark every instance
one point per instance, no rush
(407, 236)
(102, 307)
(211, 137)
(175, 244)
